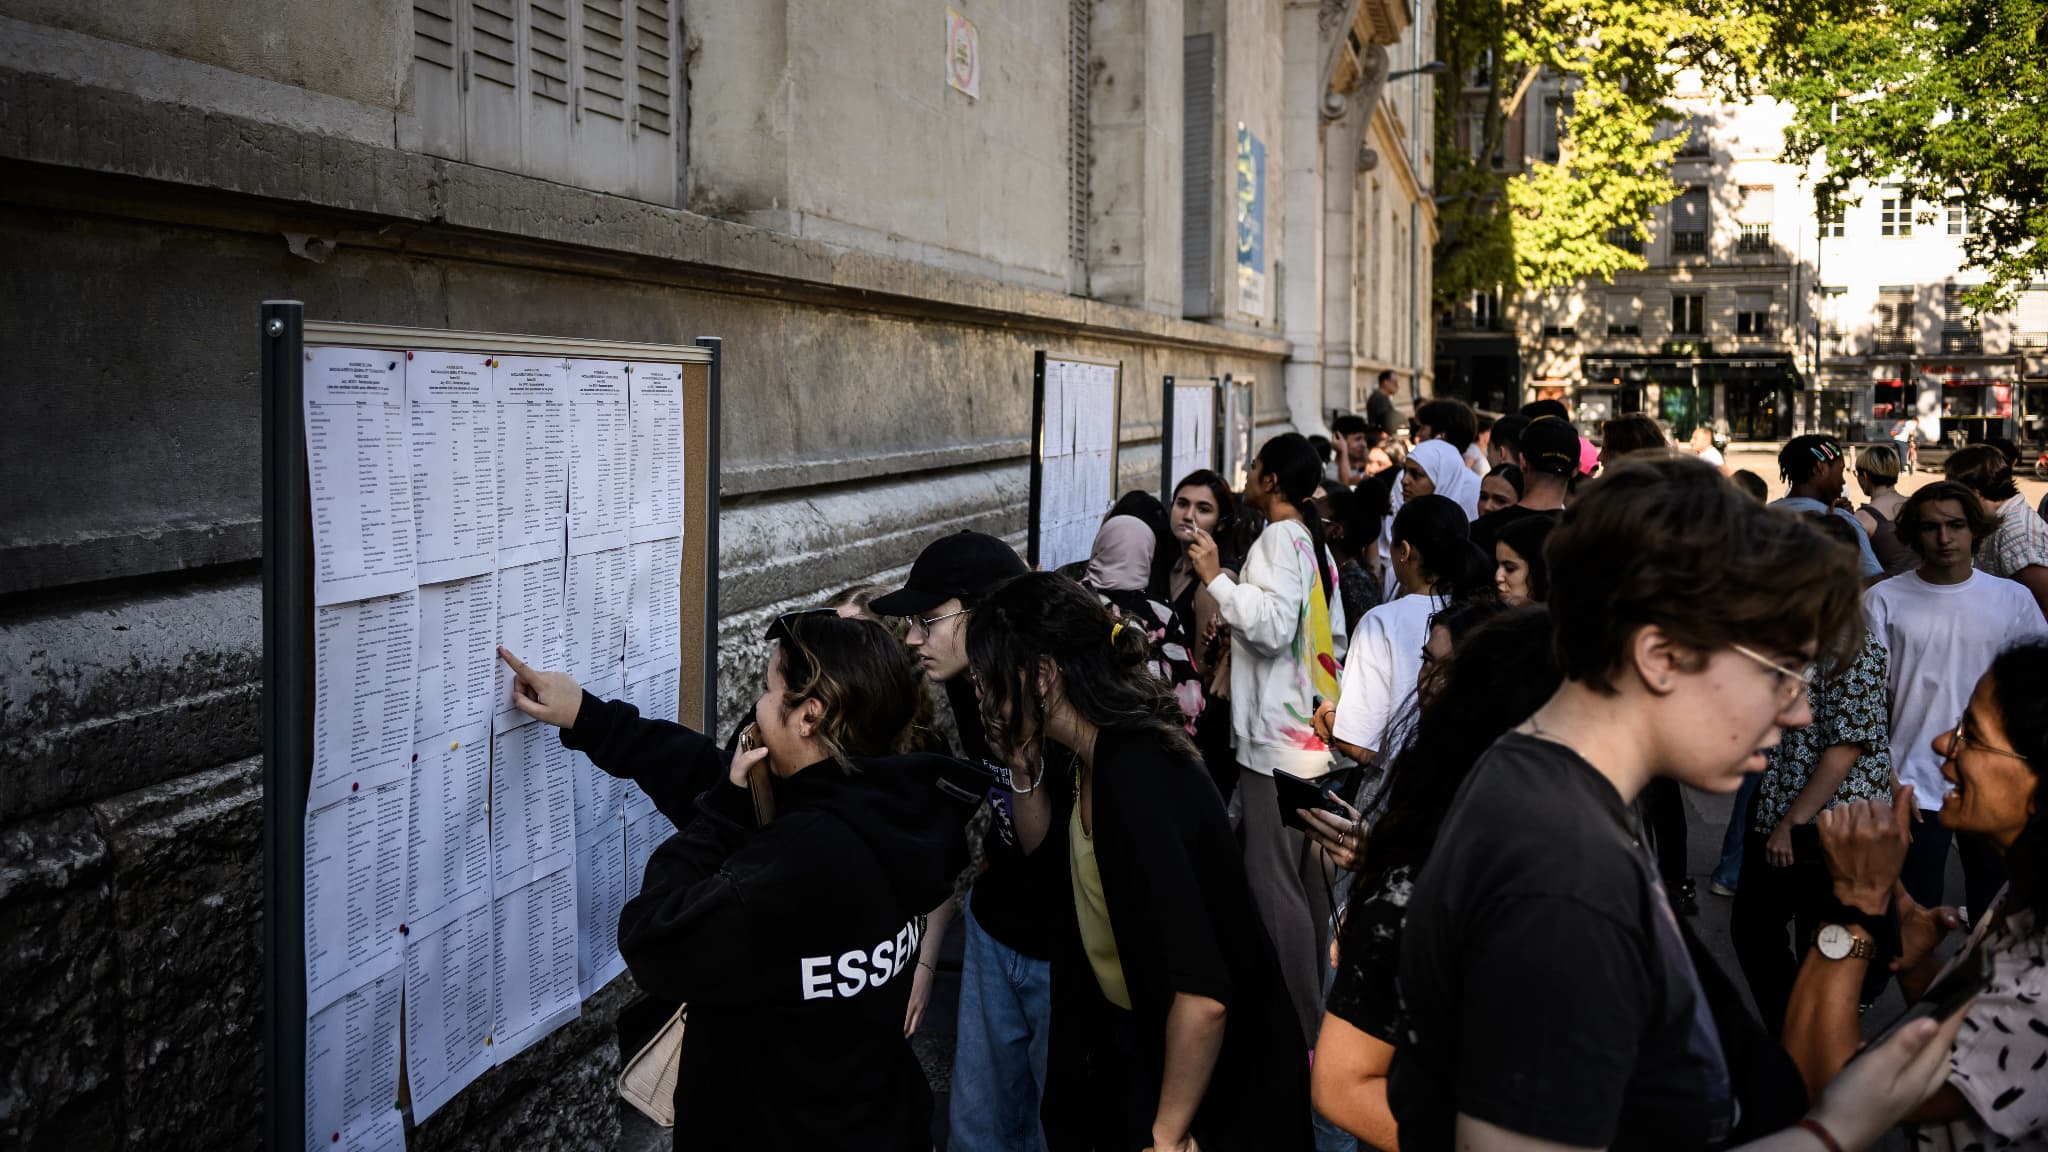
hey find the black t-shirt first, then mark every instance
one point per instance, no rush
(1013, 900)
(1546, 985)
(1486, 529)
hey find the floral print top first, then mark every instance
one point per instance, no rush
(1364, 993)
(1849, 707)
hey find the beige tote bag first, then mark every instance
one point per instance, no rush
(649, 1081)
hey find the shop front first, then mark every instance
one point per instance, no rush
(1975, 400)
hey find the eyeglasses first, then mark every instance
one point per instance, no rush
(1790, 681)
(921, 626)
(1959, 740)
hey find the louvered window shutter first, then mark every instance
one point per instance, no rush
(437, 77)
(652, 94)
(1198, 177)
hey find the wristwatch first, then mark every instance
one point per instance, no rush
(1838, 943)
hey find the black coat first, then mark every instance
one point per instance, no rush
(1181, 909)
(794, 945)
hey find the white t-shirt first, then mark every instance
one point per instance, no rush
(1941, 638)
(1378, 692)
(1475, 459)
(1712, 455)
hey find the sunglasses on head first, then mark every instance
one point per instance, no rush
(787, 625)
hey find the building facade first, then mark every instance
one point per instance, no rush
(1894, 338)
(883, 209)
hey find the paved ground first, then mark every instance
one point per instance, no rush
(1707, 817)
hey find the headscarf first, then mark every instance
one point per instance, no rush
(1446, 469)
(1121, 560)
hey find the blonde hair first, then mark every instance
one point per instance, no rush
(1879, 462)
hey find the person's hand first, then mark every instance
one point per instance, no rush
(920, 994)
(1325, 720)
(1865, 844)
(1202, 556)
(1921, 930)
(1778, 848)
(551, 696)
(1883, 1085)
(743, 764)
(1343, 837)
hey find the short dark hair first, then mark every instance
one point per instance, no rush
(1384, 376)
(1983, 469)
(1349, 424)
(1751, 484)
(1907, 522)
(1507, 431)
(1322, 446)
(1802, 456)
(1633, 432)
(1453, 420)
(1538, 408)
(1666, 541)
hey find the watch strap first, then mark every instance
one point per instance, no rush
(1848, 915)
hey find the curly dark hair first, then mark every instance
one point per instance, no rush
(1665, 540)
(1102, 665)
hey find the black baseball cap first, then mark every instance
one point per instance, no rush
(963, 564)
(1550, 445)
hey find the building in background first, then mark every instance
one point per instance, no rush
(1893, 338)
(1709, 332)
(882, 208)
(1478, 357)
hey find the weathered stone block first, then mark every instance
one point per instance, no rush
(59, 1065)
(187, 861)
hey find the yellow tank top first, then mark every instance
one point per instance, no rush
(1097, 938)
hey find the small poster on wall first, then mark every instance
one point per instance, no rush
(1251, 223)
(963, 55)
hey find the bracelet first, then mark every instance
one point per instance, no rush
(1820, 1133)
(934, 968)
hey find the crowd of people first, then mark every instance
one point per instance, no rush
(1344, 810)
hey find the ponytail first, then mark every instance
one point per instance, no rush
(1298, 468)
(1437, 529)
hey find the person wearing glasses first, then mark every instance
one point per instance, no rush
(788, 910)
(1173, 1029)
(1996, 1095)
(999, 1057)
(1552, 998)
(1843, 755)
(1941, 625)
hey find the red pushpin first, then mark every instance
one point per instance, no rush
(404, 931)
(355, 785)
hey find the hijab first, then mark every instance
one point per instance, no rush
(1122, 558)
(1446, 469)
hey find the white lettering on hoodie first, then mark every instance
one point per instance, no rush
(886, 958)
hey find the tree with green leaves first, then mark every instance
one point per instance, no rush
(1558, 222)
(1947, 99)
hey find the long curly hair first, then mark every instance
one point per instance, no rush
(1102, 667)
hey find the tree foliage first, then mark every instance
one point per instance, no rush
(1554, 223)
(1946, 98)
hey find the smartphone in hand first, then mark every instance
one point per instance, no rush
(1294, 792)
(760, 781)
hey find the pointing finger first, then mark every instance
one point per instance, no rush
(518, 666)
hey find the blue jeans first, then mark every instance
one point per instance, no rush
(999, 1059)
(1729, 870)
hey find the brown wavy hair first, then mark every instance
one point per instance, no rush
(857, 671)
(1666, 540)
(1982, 524)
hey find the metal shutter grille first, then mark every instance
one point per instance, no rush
(652, 64)
(604, 58)
(1077, 132)
(1198, 176)
(548, 39)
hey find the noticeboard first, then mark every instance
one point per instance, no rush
(1237, 422)
(1076, 407)
(1191, 409)
(443, 879)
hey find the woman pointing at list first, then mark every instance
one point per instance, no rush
(786, 913)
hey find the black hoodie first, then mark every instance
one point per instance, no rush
(793, 945)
